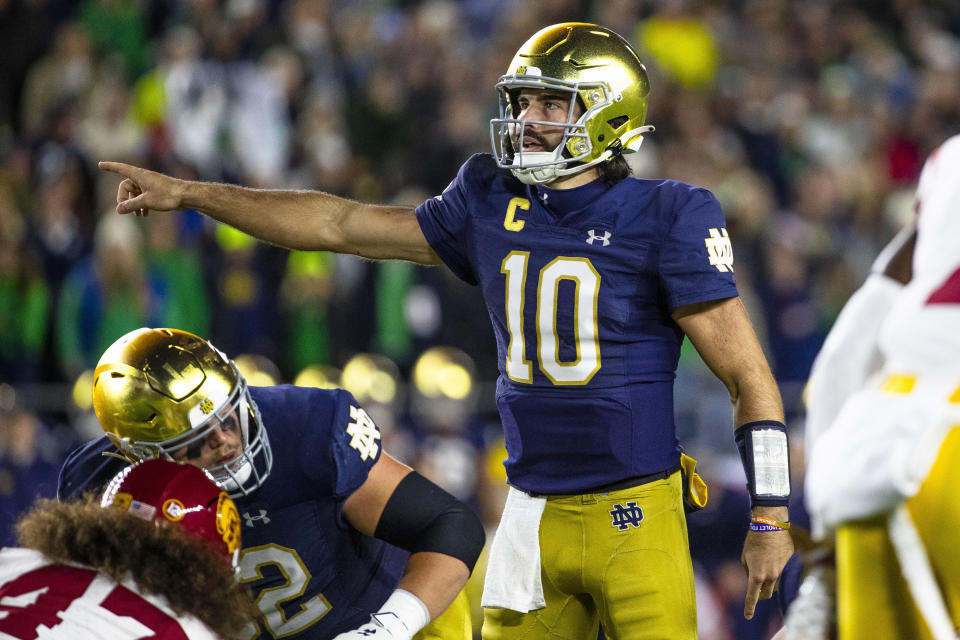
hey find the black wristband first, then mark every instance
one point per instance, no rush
(765, 454)
(420, 516)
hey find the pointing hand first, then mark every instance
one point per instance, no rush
(142, 189)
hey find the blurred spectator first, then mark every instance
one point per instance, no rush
(117, 27)
(24, 29)
(112, 292)
(29, 462)
(245, 311)
(59, 219)
(24, 297)
(63, 74)
(195, 101)
(175, 261)
(108, 128)
(304, 300)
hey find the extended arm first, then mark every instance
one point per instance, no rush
(724, 338)
(443, 535)
(305, 220)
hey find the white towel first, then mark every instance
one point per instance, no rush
(513, 569)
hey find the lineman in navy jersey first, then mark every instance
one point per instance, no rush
(306, 496)
(591, 280)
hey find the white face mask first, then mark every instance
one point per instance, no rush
(241, 476)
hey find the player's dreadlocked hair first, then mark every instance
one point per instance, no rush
(162, 560)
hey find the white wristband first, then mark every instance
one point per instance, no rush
(403, 614)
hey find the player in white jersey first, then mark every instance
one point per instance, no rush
(880, 475)
(154, 558)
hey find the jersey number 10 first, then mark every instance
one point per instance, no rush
(586, 282)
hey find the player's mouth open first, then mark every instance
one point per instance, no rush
(531, 144)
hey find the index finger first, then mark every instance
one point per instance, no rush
(125, 170)
(753, 595)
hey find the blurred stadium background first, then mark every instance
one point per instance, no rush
(809, 121)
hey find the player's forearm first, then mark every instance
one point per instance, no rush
(755, 397)
(293, 219)
(724, 337)
(435, 578)
(312, 221)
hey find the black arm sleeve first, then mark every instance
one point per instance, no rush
(420, 516)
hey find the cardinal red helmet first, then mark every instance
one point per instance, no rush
(158, 489)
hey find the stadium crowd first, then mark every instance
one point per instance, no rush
(809, 121)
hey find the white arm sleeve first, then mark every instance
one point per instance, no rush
(849, 355)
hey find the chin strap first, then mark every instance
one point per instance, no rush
(632, 139)
(629, 142)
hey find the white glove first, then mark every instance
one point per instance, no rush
(401, 616)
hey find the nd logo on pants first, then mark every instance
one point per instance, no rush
(620, 558)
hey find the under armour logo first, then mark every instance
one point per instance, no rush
(720, 250)
(592, 235)
(363, 433)
(624, 516)
(251, 520)
(544, 197)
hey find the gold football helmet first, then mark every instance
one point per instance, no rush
(158, 390)
(604, 76)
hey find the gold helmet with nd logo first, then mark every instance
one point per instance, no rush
(161, 393)
(607, 87)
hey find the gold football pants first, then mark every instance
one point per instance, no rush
(873, 600)
(452, 624)
(619, 558)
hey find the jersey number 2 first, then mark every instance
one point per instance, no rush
(271, 600)
(586, 283)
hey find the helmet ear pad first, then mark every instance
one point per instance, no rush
(577, 146)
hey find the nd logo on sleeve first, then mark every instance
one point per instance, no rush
(363, 433)
(719, 249)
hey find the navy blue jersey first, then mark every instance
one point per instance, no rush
(313, 574)
(580, 285)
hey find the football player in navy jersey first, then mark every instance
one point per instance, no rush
(592, 279)
(318, 498)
